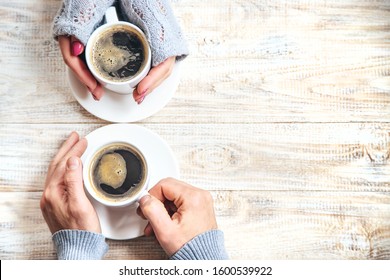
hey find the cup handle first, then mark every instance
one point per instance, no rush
(111, 15)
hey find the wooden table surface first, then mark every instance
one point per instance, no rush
(283, 113)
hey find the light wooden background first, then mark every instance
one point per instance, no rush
(283, 113)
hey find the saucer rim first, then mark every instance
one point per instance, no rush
(154, 103)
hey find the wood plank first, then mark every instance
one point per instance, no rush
(283, 113)
(305, 224)
(250, 61)
(314, 156)
(257, 225)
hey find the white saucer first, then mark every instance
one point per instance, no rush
(114, 107)
(124, 223)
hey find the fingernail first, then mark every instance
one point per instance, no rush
(94, 97)
(141, 100)
(144, 199)
(77, 48)
(73, 163)
(144, 92)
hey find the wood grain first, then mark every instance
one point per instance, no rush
(335, 157)
(257, 225)
(283, 113)
(266, 61)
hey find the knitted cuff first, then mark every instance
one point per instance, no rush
(79, 18)
(206, 246)
(158, 22)
(79, 245)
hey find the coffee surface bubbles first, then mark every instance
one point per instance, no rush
(111, 170)
(118, 171)
(118, 54)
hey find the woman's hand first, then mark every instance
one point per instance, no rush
(154, 78)
(71, 48)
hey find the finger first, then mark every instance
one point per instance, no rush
(77, 150)
(73, 178)
(73, 175)
(172, 190)
(154, 78)
(156, 214)
(139, 97)
(78, 66)
(169, 206)
(77, 47)
(139, 213)
(98, 92)
(65, 148)
(148, 231)
(84, 75)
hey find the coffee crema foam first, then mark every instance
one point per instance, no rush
(117, 172)
(118, 54)
(111, 170)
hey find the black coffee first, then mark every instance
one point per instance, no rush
(118, 54)
(118, 171)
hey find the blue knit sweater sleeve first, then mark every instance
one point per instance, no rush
(79, 245)
(206, 246)
(85, 245)
(156, 19)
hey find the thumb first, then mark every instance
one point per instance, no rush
(155, 212)
(73, 177)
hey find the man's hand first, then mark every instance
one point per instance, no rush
(177, 212)
(64, 204)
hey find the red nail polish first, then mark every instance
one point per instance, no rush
(77, 48)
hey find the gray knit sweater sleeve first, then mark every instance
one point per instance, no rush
(79, 18)
(85, 245)
(206, 246)
(156, 19)
(79, 245)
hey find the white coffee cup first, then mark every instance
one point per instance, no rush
(121, 85)
(100, 189)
